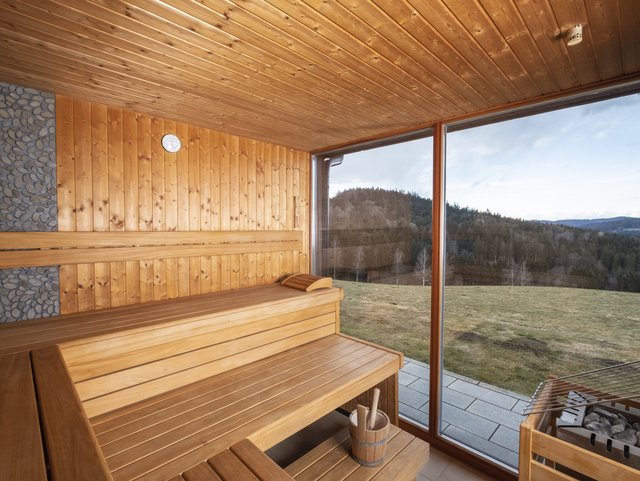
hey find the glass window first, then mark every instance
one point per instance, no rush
(542, 261)
(376, 244)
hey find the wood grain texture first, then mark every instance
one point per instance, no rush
(314, 74)
(115, 181)
(72, 449)
(21, 451)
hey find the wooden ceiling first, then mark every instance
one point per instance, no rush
(314, 73)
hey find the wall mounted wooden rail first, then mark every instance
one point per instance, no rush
(31, 249)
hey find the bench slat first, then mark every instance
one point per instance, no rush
(229, 468)
(201, 472)
(21, 455)
(71, 445)
(259, 463)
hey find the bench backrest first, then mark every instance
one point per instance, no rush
(175, 346)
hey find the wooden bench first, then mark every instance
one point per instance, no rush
(167, 385)
(21, 453)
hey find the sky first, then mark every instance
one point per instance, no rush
(576, 163)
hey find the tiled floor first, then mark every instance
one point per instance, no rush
(482, 416)
(439, 466)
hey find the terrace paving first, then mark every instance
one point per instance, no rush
(484, 417)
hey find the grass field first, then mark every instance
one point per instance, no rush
(511, 337)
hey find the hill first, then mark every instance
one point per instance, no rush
(617, 225)
(385, 236)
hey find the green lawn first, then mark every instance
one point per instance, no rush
(512, 337)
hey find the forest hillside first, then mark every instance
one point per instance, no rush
(385, 236)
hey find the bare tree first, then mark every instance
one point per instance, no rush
(397, 262)
(512, 271)
(422, 267)
(336, 254)
(524, 275)
(358, 260)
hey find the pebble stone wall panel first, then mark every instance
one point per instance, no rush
(28, 200)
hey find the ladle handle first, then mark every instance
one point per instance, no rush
(362, 420)
(374, 408)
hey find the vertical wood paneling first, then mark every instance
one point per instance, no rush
(66, 189)
(171, 210)
(116, 199)
(114, 175)
(182, 273)
(145, 200)
(84, 197)
(204, 157)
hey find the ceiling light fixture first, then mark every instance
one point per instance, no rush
(574, 35)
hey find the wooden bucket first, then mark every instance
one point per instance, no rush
(370, 450)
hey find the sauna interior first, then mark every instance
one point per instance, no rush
(171, 299)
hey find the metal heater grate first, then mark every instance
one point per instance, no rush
(608, 384)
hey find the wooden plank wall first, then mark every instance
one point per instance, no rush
(114, 176)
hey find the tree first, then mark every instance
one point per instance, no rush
(358, 261)
(423, 267)
(397, 262)
(335, 254)
(524, 275)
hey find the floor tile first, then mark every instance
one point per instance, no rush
(420, 385)
(414, 414)
(486, 394)
(496, 414)
(416, 370)
(437, 463)
(412, 398)
(459, 472)
(404, 378)
(482, 445)
(506, 437)
(470, 422)
(456, 398)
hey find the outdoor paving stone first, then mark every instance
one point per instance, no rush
(412, 398)
(447, 380)
(404, 379)
(413, 414)
(482, 427)
(480, 392)
(456, 398)
(496, 414)
(516, 395)
(416, 370)
(496, 451)
(506, 437)
(519, 407)
(460, 376)
(420, 385)
(419, 363)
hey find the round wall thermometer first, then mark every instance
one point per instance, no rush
(171, 143)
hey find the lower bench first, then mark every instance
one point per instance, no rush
(332, 461)
(265, 402)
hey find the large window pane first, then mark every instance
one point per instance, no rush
(542, 262)
(376, 244)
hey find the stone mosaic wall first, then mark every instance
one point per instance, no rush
(28, 200)
(29, 293)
